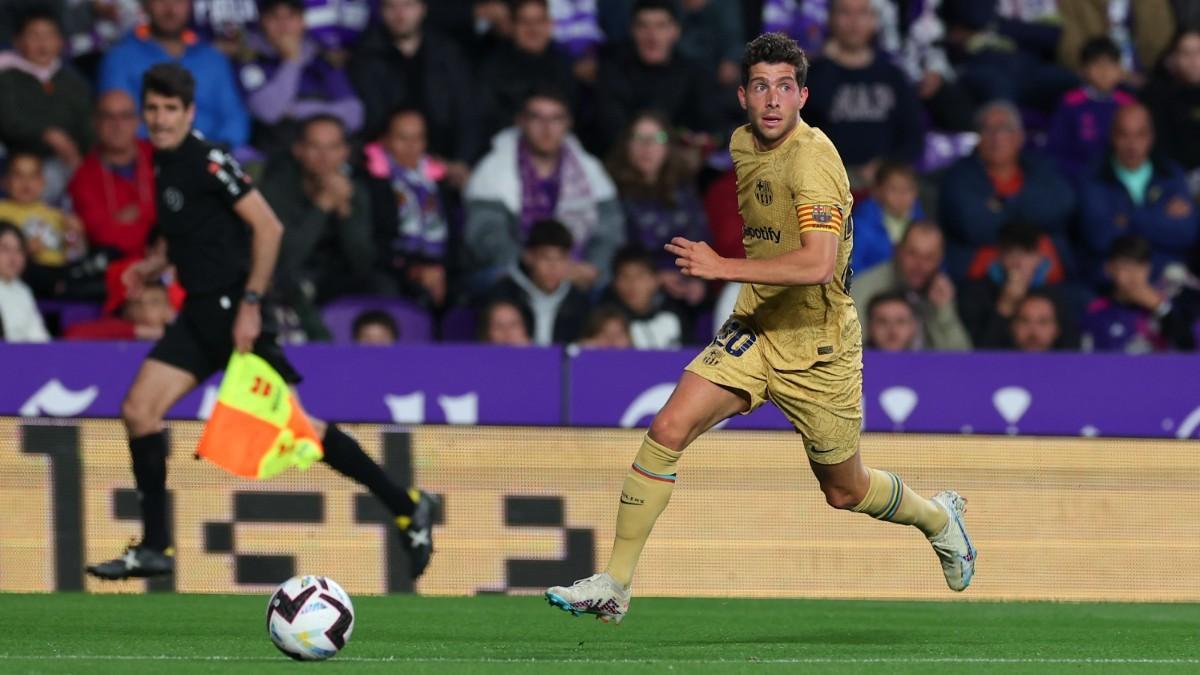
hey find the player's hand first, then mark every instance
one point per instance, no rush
(696, 258)
(941, 291)
(246, 327)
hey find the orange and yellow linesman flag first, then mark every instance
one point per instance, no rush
(257, 428)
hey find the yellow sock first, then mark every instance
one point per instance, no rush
(644, 495)
(888, 498)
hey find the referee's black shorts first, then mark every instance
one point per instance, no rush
(200, 340)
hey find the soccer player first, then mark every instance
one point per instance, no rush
(793, 339)
(223, 239)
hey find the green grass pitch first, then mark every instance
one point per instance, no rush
(73, 633)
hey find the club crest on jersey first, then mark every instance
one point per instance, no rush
(173, 199)
(762, 192)
(822, 213)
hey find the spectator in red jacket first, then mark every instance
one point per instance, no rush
(113, 191)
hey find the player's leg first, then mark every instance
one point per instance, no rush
(156, 387)
(412, 509)
(824, 403)
(695, 406)
(852, 485)
(883, 495)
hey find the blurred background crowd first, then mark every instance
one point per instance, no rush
(507, 171)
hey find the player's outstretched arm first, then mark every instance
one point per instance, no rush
(811, 264)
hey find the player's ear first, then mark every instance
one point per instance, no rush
(742, 96)
(803, 96)
(191, 113)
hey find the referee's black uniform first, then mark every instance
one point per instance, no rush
(198, 185)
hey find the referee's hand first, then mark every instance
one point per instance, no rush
(246, 327)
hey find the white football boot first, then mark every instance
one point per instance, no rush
(598, 594)
(953, 545)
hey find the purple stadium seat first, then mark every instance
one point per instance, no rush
(414, 321)
(59, 314)
(459, 325)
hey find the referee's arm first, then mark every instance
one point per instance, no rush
(267, 233)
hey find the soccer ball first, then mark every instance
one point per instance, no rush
(310, 618)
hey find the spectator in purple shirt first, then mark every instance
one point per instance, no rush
(288, 78)
(1079, 129)
(1136, 316)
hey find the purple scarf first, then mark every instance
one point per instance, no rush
(803, 21)
(539, 196)
(423, 228)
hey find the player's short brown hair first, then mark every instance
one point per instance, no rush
(774, 48)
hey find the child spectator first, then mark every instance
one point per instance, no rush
(1135, 317)
(19, 317)
(541, 285)
(1079, 129)
(881, 219)
(54, 238)
(375, 328)
(987, 305)
(142, 317)
(504, 322)
(606, 328)
(637, 292)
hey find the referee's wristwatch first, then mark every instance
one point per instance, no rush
(252, 298)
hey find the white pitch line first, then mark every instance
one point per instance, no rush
(748, 661)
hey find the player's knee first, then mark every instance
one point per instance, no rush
(841, 497)
(669, 430)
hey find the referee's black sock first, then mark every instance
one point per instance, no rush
(344, 455)
(150, 472)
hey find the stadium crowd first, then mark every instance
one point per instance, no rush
(507, 171)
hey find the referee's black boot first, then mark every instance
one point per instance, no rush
(416, 531)
(138, 561)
